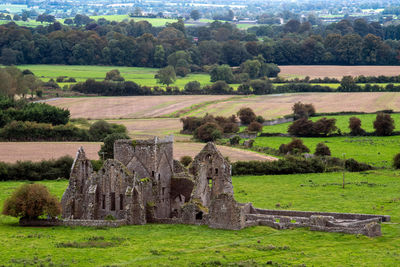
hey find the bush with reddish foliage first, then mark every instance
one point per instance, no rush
(355, 126)
(255, 127)
(208, 132)
(31, 201)
(246, 115)
(322, 150)
(296, 146)
(384, 124)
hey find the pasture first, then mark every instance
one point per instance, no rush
(187, 245)
(141, 76)
(377, 151)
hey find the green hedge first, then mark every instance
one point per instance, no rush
(293, 165)
(36, 171)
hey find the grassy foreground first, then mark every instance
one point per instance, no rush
(185, 245)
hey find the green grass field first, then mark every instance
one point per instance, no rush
(142, 76)
(378, 151)
(186, 245)
(342, 122)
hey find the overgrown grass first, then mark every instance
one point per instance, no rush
(188, 245)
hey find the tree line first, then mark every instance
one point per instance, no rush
(133, 43)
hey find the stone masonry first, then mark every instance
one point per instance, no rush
(143, 183)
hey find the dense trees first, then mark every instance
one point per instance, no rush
(131, 43)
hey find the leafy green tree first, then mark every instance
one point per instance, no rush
(159, 56)
(114, 75)
(107, 149)
(222, 73)
(252, 67)
(166, 75)
(195, 14)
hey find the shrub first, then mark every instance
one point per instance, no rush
(186, 160)
(355, 126)
(235, 140)
(322, 150)
(296, 146)
(246, 115)
(301, 127)
(354, 166)
(208, 132)
(31, 201)
(220, 88)
(384, 124)
(107, 149)
(323, 127)
(301, 110)
(114, 75)
(396, 161)
(100, 129)
(260, 119)
(230, 127)
(305, 127)
(254, 127)
(193, 86)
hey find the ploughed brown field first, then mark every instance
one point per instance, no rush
(130, 106)
(36, 151)
(269, 106)
(337, 71)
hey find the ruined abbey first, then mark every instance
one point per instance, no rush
(144, 184)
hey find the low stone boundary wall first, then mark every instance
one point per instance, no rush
(55, 222)
(343, 216)
(277, 121)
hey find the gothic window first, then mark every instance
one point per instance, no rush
(103, 205)
(112, 195)
(121, 201)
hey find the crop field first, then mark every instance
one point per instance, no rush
(378, 151)
(134, 106)
(37, 151)
(141, 76)
(269, 106)
(273, 106)
(337, 71)
(342, 122)
(187, 245)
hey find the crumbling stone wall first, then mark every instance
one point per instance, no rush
(144, 184)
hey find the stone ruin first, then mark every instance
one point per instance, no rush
(144, 184)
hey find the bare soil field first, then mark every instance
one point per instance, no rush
(337, 71)
(130, 106)
(269, 106)
(143, 128)
(36, 151)
(273, 106)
